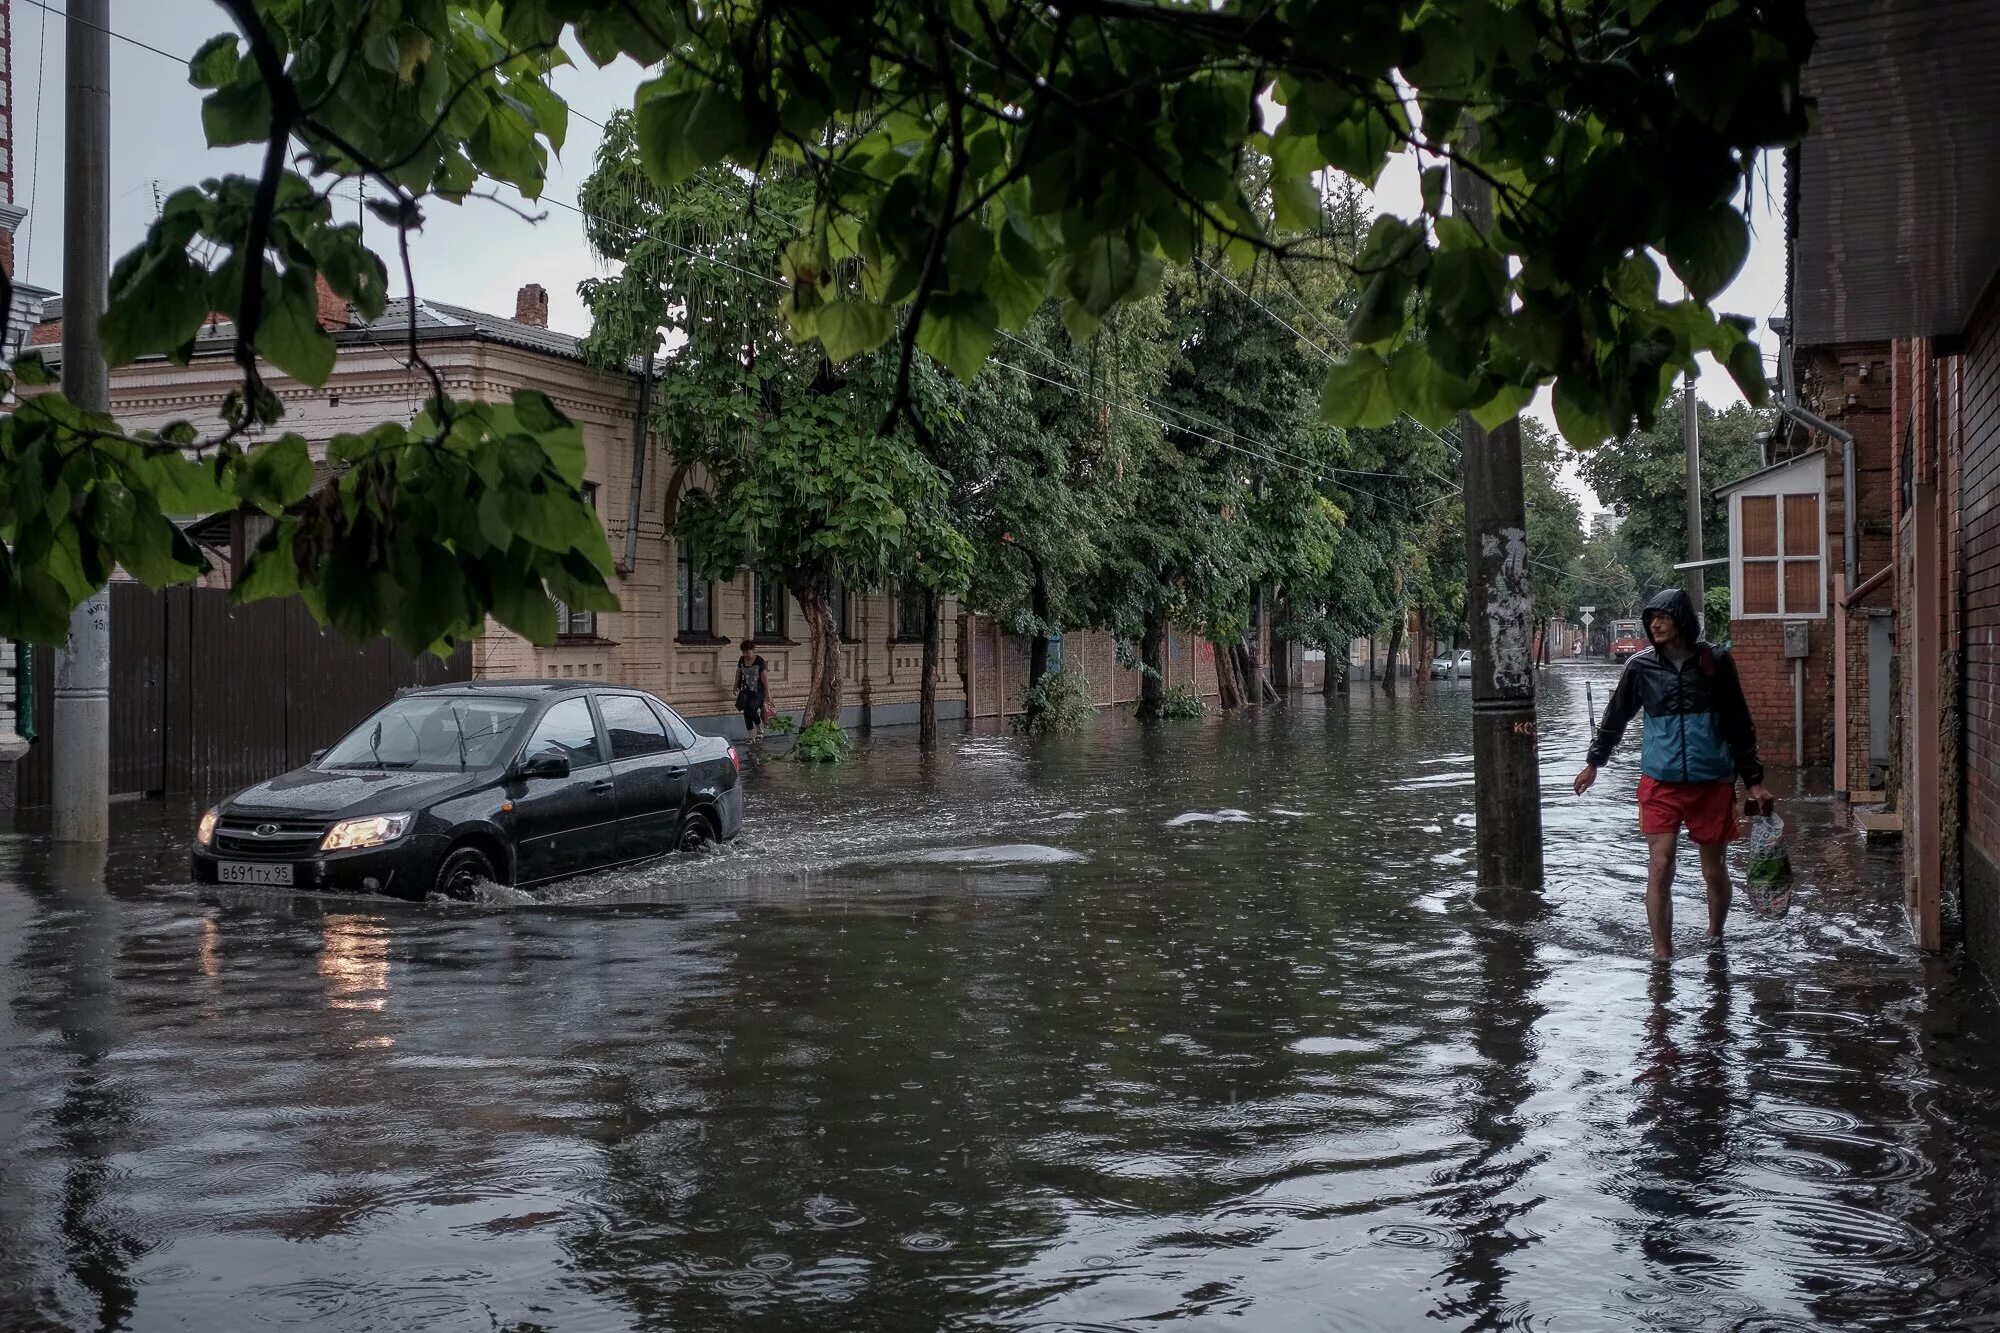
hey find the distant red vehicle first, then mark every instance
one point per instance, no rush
(1627, 637)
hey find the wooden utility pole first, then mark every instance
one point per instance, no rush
(1506, 768)
(1691, 433)
(82, 761)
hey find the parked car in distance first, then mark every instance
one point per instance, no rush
(516, 782)
(1441, 664)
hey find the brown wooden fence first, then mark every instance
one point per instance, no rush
(998, 666)
(206, 696)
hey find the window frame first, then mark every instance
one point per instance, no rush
(684, 627)
(907, 589)
(1807, 477)
(573, 626)
(596, 725)
(606, 697)
(779, 631)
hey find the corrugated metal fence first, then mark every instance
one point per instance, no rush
(207, 696)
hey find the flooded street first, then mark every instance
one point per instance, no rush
(1188, 1022)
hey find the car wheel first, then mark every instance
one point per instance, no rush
(696, 834)
(463, 870)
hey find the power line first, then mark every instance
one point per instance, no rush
(112, 32)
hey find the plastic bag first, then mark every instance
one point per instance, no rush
(1767, 880)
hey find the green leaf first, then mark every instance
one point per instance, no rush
(524, 608)
(238, 113)
(849, 328)
(1424, 389)
(158, 308)
(276, 475)
(1296, 203)
(1506, 404)
(1746, 366)
(1579, 415)
(186, 488)
(1357, 392)
(680, 133)
(31, 371)
(958, 332)
(215, 64)
(537, 412)
(271, 570)
(1014, 296)
(1707, 250)
(290, 336)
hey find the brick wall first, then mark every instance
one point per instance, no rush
(1976, 420)
(1758, 648)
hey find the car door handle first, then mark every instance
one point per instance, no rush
(602, 784)
(677, 771)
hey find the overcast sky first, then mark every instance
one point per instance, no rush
(477, 255)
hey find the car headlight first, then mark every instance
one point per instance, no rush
(372, 831)
(204, 832)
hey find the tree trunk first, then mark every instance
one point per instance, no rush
(1227, 684)
(1281, 650)
(1395, 647)
(1038, 607)
(823, 636)
(933, 653)
(1335, 681)
(1153, 661)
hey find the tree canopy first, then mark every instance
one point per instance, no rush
(962, 164)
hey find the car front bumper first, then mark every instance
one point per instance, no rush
(403, 869)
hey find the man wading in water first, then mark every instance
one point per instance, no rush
(1698, 740)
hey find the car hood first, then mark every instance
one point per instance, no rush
(348, 792)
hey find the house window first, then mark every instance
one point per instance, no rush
(768, 614)
(836, 600)
(910, 598)
(1780, 555)
(570, 622)
(692, 596)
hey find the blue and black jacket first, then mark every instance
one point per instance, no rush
(1698, 726)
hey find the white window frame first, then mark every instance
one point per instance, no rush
(1807, 477)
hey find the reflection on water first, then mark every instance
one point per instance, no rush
(354, 960)
(1194, 1022)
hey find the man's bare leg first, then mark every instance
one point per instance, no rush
(1715, 871)
(1660, 891)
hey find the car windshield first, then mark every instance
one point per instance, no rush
(433, 732)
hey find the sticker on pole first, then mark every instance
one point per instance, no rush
(1767, 880)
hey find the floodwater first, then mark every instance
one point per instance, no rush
(1194, 1023)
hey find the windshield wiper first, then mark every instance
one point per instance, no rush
(459, 722)
(375, 744)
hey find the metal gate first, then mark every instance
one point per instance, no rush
(206, 696)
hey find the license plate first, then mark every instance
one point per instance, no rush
(252, 872)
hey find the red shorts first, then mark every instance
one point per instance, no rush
(1707, 808)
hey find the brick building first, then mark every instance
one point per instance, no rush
(674, 634)
(1893, 209)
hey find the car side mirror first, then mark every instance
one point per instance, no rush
(550, 763)
(317, 755)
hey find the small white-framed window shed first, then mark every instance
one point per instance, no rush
(1777, 541)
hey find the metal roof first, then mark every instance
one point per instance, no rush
(1896, 216)
(1781, 465)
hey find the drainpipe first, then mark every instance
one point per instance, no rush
(639, 464)
(1853, 510)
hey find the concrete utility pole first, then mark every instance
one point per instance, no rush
(83, 667)
(1691, 431)
(1506, 768)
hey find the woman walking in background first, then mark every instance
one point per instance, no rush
(753, 688)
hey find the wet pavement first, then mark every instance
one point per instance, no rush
(1194, 1023)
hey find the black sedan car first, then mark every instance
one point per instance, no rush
(514, 782)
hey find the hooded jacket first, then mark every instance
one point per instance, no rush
(1698, 726)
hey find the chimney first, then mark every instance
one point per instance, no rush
(531, 306)
(333, 312)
